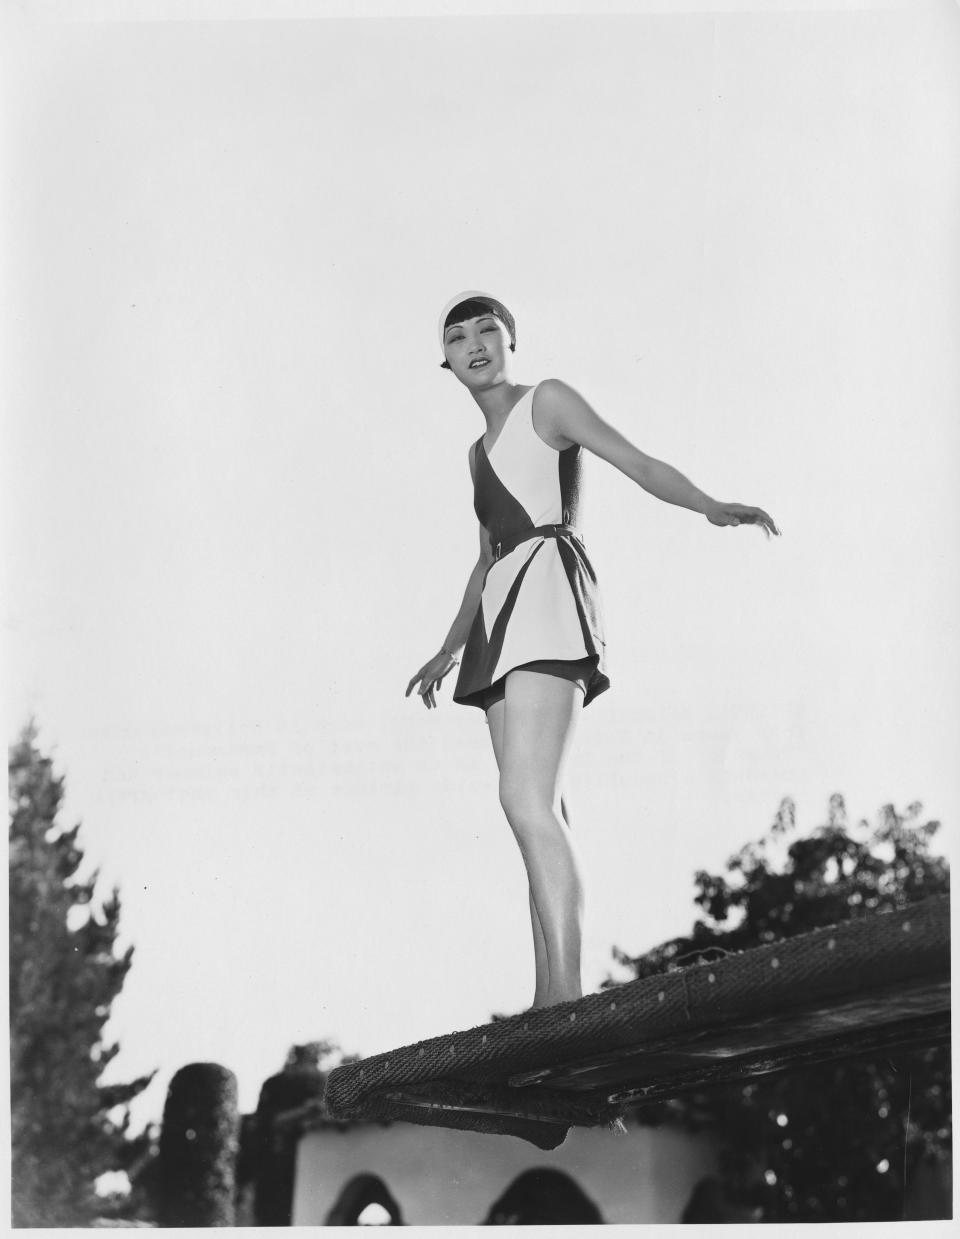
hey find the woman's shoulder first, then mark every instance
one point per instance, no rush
(552, 390)
(553, 401)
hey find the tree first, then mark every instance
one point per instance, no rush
(269, 1154)
(67, 1127)
(199, 1144)
(836, 1142)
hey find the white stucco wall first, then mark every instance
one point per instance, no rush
(452, 1177)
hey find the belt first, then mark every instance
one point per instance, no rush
(505, 546)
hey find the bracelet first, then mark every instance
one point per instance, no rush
(444, 650)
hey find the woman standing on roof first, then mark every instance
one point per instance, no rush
(529, 631)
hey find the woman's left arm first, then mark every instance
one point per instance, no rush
(565, 415)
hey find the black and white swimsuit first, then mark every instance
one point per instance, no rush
(540, 599)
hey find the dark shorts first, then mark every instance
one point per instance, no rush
(578, 671)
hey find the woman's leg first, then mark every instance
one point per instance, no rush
(539, 719)
(495, 717)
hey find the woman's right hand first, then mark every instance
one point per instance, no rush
(430, 677)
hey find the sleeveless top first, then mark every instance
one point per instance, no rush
(540, 598)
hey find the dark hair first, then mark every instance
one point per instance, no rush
(480, 309)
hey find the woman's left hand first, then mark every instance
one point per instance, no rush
(740, 514)
(430, 677)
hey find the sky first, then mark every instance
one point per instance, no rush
(237, 505)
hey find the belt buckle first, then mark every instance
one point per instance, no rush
(496, 550)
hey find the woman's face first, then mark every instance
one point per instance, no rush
(477, 351)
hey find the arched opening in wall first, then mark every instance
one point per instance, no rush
(543, 1197)
(364, 1200)
(708, 1204)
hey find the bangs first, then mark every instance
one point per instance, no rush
(471, 309)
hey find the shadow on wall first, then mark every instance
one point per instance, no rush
(543, 1197)
(357, 1195)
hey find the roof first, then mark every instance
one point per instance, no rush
(879, 982)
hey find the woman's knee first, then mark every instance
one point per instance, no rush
(525, 805)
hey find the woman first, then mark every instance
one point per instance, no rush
(529, 631)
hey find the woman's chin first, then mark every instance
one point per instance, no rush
(480, 380)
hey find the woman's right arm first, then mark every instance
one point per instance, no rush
(432, 673)
(456, 638)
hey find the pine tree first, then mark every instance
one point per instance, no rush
(840, 1141)
(64, 976)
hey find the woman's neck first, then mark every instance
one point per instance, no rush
(495, 403)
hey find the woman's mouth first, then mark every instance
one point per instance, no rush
(478, 362)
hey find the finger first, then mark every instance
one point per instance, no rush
(765, 519)
(766, 522)
(772, 523)
(416, 678)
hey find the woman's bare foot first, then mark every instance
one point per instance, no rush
(555, 998)
(569, 994)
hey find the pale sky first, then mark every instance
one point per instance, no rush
(237, 504)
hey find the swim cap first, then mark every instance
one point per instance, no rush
(497, 308)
